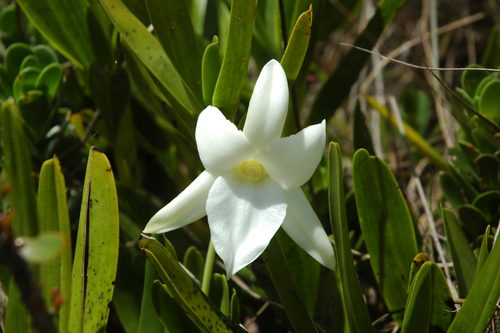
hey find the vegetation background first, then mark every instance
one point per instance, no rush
(97, 119)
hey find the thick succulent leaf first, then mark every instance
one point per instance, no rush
(488, 104)
(25, 82)
(296, 49)
(287, 290)
(149, 321)
(185, 291)
(150, 52)
(481, 302)
(35, 109)
(49, 79)
(484, 252)
(176, 34)
(386, 225)
(210, 68)
(30, 61)
(471, 80)
(464, 260)
(489, 166)
(233, 72)
(474, 220)
(14, 57)
(96, 253)
(194, 262)
(452, 190)
(219, 292)
(45, 55)
(357, 312)
(64, 24)
(19, 169)
(52, 212)
(488, 203)
(430, 306)
(165, 307)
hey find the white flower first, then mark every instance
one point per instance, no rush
(251, 185)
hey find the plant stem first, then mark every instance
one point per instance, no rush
(207, 272)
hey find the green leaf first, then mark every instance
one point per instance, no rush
(430, 305)
(176, 34)
(30, 61)
(297, 46)
(5, 84)
(234, 68)
(386, 225)
(234, 307)
(45, 55)
(19, 169)
(481, 302)
(488, 203)
(8, 24)
(18, 318)
(483, 252)
(332, 94)
(489, 166)
(464, 260)
(357, 313)
(96, 253)
(305, 271)
(488, 104)
(25, 82)
(49, 79)
(219, 292)
(210, 69)
(149, 322)
(452, 190)
(194, 262)
(63, 23)
(471, 80)
(14, 57)
(101, 43)
(165, 307)
(53, 214)
(285, 285)
(474, 221)
(43, 248)
(35, 109)
(186, 292)
(416, 264)
(150, 52)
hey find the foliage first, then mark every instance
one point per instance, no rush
(98, 112)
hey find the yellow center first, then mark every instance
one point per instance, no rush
(251, 170)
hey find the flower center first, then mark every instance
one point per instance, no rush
(251, 170)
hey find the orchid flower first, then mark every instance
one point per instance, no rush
(252, 179)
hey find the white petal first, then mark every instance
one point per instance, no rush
(303, 226)
(220, 144)
(187, 207)
(291, 161)
(243, 217)
(268, 106)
